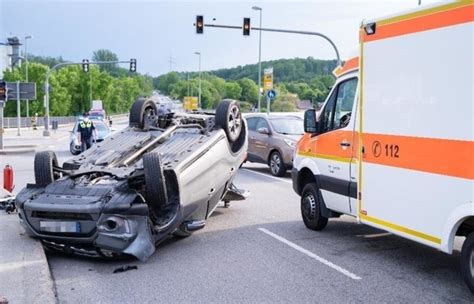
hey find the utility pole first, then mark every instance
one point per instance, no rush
(26, 73)
(199, 98)
(18, 109)
(171, 62)
(259, 58)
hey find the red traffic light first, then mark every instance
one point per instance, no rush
(199, 24)
(246, 27)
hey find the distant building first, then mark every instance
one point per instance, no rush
(10, 56)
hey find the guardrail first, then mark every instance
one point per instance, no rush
(25, 122)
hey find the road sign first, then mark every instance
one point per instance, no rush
(271, 94)
(27, 90)
(268, 79)
(190, 103)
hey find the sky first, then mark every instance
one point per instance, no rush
(154, 31)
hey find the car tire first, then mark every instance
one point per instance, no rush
(311, 208)
(140, 111)
(229, 118)
(181, 233)
(43, 167)
(155, 185)
(467, 261)
(275, 162)
(73, 151)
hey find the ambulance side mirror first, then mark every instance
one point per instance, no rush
(310, 123)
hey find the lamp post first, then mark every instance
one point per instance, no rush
(199, 98)
(26, 73)
(259, 57)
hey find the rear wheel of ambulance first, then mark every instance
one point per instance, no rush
(311, 208)
(467, 261)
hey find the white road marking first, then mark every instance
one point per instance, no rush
(269, 176)
(311, 255)
(374, 235)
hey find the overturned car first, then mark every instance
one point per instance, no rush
(162, 175)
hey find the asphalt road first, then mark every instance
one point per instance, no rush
(259, 251)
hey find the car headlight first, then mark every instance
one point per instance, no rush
(290, 142)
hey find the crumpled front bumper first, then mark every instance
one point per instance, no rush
(132, 236)
(120, 226)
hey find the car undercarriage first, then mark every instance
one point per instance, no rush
(163, 175)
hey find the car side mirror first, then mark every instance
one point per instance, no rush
(310, 123)
(263, 131)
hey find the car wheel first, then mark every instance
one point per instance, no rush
(43, 167)
(311, 208)
(141, 110)
(73, 151)
(181, 233)
(229, 118)
(277, 167)
(467, 261)
(156, 192)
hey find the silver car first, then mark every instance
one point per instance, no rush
(164, 174)
(272, 140)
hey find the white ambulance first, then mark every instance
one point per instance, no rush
(393, 145)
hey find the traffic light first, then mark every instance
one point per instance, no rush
(246, 27)
(3, 90)
(133, 65)
(85, 65)
(199, 24)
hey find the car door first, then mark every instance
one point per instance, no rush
(262, 140)
(252, 129)
(334, 144)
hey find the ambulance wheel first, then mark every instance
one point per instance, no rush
(141, 111)
(467, 261)
(311, 208)
(229, 118)
(44, 164)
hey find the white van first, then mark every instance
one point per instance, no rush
(393, 145)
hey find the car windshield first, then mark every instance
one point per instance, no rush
(288, 126)
(100, 126)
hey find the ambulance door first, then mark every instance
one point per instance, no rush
(333, 146)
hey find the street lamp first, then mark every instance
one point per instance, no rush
(199, 53)
(26, 73)
(256, 8)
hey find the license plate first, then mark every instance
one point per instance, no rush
(50, 226)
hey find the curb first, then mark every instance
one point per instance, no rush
(26, 277)
(9, 151)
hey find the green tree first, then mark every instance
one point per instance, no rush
(106, 55)
(285, 103)
(165, 83)
(232, 90)
(249, 90)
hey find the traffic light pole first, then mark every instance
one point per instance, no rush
(46, 86)
(264, 29)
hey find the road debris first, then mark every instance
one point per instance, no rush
(125, 268)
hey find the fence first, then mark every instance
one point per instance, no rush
(25, 122)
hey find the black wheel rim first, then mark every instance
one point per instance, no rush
(308, 206)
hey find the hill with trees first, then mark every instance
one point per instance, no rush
(294, 80)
